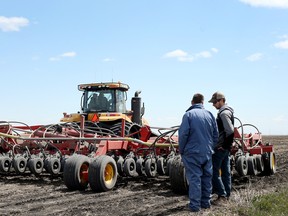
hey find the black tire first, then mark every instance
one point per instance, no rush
(252, 166)
(103, 174)
(129, 167)
(5, 164)
(241, 165)
(179, 183)
(140, 169)
(161, 166)
(269, 159)
(75, 173)
(168, 166)
(63, 162)
(120, 163)
(19, 164)
(150, 167)
(259, 163)
(35, 165)
(131, 129)
(52, 165)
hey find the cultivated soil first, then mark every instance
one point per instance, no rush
(30, 195)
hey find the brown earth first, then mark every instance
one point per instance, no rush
(30, 195)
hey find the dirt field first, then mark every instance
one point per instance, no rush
(28, 195)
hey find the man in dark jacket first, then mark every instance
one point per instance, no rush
(221, 157)
(198, 135)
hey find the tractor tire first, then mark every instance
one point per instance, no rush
(252, 166)
(19, 164)
(241, 165)
(269, 163)
(102, 174)
(131, 129)
(5, 164)
(179, 183)
(75, 174)
(150, 167)
(129, 167)
(35, 165)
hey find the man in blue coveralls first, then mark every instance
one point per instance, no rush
(198, 134)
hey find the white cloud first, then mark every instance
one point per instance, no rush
(68, 54)
(267, 3)
(254, 57)
(54, 59)
(204, 54)
(183, 56)
(215, 50)
(108, 60)
(282, 44)
(64, 55)
(12, 23)
(175, 54)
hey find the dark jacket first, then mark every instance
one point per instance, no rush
(225, 122)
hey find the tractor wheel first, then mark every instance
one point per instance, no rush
(129, 167)
(252, 165)
(241, 165)
(19, 164)
(131, 129)
(5, 164)
(151, 167)
(103, 174)
(177, 175)
(120, 163)
(75, 173)
(269, 163)
(259, 163)
(52, 165)
(35, 165)
(140, 169)
(161, 165)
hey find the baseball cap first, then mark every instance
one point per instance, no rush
(216, 96)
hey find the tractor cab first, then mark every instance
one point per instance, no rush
(104, 97)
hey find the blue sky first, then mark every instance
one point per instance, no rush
(167, 49)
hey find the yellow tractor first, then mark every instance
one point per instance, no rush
(104, 107)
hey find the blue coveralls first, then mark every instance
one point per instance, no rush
(198, 134)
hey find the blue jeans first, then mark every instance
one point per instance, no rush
(199, 175)
(221, 184)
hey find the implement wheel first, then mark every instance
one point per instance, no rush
(5, 164)
(129, 167)
(252, 165)
(35, 165)
(102, 174)
(177, 175)
(19, 164)
(151, 167)
(140, 169)
(260, 163)
(161, 165)
(269, 163)
(52, 165)
(241, 165)
(120, 162)
(75, 173)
